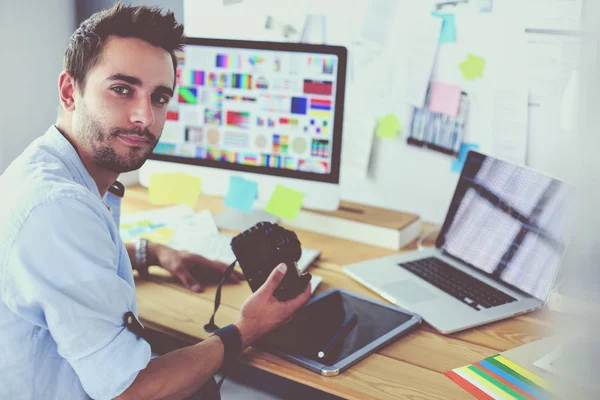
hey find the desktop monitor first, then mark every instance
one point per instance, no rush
(266, 111)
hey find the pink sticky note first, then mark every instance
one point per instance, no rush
(444, 98)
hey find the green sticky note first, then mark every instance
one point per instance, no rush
(388, 127)
(472, 67)
(285, 202)
(174, 188)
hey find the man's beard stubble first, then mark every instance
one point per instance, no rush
(104, 155)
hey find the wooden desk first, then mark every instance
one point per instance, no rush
(412, 367)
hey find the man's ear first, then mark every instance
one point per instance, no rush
(66, 91)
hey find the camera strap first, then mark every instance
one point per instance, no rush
(211, 327)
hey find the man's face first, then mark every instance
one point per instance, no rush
(120, 116)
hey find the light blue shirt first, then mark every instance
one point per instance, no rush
(65, 281)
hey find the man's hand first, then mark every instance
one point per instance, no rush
(262, 312)
(191, 269)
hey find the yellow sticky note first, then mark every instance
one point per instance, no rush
(285, 202)
(388, 127)
(472, 67)
(174, 188)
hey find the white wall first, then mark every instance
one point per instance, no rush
(33, 36)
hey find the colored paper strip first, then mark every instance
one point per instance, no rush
(499, 393)
(526, 390)
(523, 372)
(497, 383)
(476, 383)
(468, 386)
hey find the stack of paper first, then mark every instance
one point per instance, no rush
(497, 377)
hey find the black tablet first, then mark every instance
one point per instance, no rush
(361, 326)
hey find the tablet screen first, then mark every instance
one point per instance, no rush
(313, 326)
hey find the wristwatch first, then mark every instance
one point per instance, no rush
(141, 257)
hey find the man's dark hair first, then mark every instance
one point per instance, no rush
(142, 22)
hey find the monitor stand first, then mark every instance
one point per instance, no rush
(236, 220)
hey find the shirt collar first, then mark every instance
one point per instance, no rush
(72, 160)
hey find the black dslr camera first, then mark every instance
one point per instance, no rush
(264, 246)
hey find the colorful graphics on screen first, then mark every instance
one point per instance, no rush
(237, 97)
(165, 148)
(192, 151)
(321, 65)
(212, 117)
(254, 108)
(172, 115)
(250, 159)
(188, 95)
(213, 98)
(192, 78)
(299, 105)
(180, 56)
(212, 136)
(216, 80)
(319, 148)
(265, 122)
(261, 83)
(236, 139)
(290, 163)
(318, 87)
(320, 107)
(275, 103)
(260, 142)
(284, 121)
(240, 119)
(241, 81)
(328, 65)
(256, 60)
(273, 161)
(299, 145)
(280, 144)
(317, 126)
(315, 166)
(194, 135)
(227, 61)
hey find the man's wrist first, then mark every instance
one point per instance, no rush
(153, 250)
(247, 331)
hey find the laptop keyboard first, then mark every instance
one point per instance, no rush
(458, 284)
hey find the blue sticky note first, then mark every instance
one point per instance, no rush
(448, 34)
(459, 163)
(241, 194)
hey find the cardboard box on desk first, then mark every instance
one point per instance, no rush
(358, 222)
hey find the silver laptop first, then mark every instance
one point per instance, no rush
(497, 254)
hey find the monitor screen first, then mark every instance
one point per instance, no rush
(271, 108)
(509, 222)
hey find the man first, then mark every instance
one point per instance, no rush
(66, 278)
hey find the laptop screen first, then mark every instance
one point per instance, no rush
(507, 221)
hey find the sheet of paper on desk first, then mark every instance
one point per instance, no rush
(152, 222)
(193, 228)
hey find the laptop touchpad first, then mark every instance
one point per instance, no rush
(408, 292)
